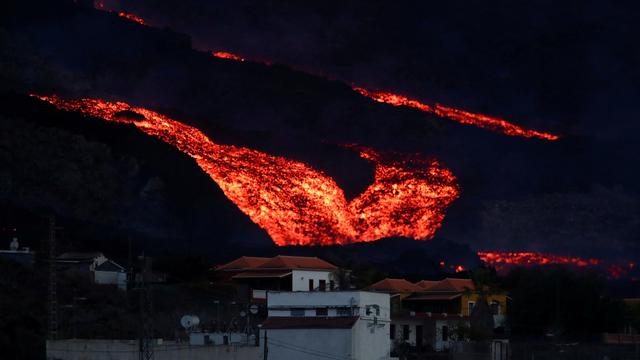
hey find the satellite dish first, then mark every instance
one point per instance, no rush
(189, 321)
(253, 309)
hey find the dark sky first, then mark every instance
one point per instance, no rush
(564, 67)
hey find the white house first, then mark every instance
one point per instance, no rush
(95, 265)
(280, 273)
(110, 273)
(337, 325)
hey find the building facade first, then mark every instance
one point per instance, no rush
(300, 325)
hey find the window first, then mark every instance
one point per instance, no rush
(405, 332)
(445, 333)
(392, 332)
(323, 285)
(310, 284)
(297, 312)
(332, 285)
(322, 312)
(344, 311)
(495, 307)
(472, 304)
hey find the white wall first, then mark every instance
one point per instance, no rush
(280, 303)
(300, 279)
(78, 349)
(111, 277)
(368, 339)
(309, 344)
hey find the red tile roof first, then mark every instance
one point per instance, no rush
(283, 322)
(433, 297)
(395, 286)
(426, 284)
(245, 262)
(296, 262)
(261, 274)
(447, 285)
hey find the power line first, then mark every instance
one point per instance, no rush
(298, 348)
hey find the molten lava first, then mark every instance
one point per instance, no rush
(227, 55)
(504, 260)
(499, 258)
(461, 116)
(99, 5)
(132, 17)
(464, 117)
(294, 203)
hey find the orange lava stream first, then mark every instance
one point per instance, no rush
(132, 17)
(461, 116)
(533, 258)
(294, 203)
(227, 55)
(504, 260)
(464, 117)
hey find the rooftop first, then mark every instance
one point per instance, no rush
(395, 285)
(279, 262)
(109, 266)
(77, 256)
(447, 285)
(244, 262)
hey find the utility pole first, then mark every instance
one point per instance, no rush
(146, 320)
(53, 281)
(266, 349)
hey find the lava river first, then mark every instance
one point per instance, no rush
(503, 261)
(295, 203)
(461, 116)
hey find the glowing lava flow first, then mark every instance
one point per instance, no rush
(293, 202)
(461, 116)
(132, 17)
(99, 5)
(532, 258)
(227, 55)
(504, 260)
(464, 117)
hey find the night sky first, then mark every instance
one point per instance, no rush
(568, 68)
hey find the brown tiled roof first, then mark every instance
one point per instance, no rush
(297, 262)
(395, 286)
(309, 322)
(426, 284)
(449, 284)
(245, 262)
(433, 297)
(261, 274)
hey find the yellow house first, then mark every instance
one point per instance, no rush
(456, 296)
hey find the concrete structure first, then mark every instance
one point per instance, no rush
(280, 273)
(218, 338)
(81, 349)
(110, 273)
(312, 325)
(22, 256)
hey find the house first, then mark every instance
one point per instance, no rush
(280, 273)
(110, 273)
(334, 325)
(22, 256)
(94, 265)
(430, 315)
(80, 261)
